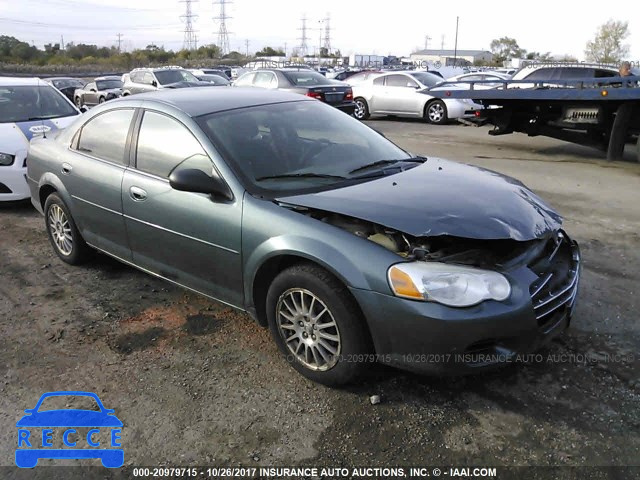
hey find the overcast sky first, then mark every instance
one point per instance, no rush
(358, 26)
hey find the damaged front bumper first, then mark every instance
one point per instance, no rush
(427, 337)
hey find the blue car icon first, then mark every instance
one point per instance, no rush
(32, 448)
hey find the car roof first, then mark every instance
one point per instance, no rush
(198, 101)
(19, 81)
(107, 77)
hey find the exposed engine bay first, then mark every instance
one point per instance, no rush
(450, 249)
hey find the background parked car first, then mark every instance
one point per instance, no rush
(151, 79)
(493, 79)
(66, 85)
(303, 81)
(399, 93)
(198, 72)
(216, 80)
(28, 107)
(550, 72)
(98, 91)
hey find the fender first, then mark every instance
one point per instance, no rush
(50, 179)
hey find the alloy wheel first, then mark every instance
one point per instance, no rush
(436, 112)
(359, 110)
(60, 230)
(308, 329)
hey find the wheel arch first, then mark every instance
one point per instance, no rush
(267, 270)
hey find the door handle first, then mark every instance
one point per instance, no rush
(66, 168)
(138, 194)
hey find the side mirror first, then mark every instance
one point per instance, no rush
(83, 109)
(93, 90)
(154, 83)
(196, 181)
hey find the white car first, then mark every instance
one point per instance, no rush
(28, 107)
(403, 94)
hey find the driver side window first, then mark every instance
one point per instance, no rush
(163, 143)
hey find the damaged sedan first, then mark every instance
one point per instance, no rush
(347, 247)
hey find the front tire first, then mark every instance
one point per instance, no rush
(361, 111)
(317, 325)
(63, 233)
(436, 112)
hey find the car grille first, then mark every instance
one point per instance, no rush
(558, 270)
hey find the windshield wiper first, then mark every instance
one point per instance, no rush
(42, 117)
(300, 175)
(379, 163)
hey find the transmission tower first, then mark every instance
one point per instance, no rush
(327, 34)
(223, 34)
(303, 48)
(190, 39)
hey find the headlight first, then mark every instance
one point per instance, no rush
(6, 159)
(452, 285)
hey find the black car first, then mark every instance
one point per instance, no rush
(98, 91)
(306, 82)
(66, 85)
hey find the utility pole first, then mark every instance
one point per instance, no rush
(455, 51)
(285, 50)
(119, 42)
(426, 42)
(303, 39)
(442, 42)
(223, 34)
(62, 42)
(246, 46)
(320, 42)
(327, 34)
(190, 40)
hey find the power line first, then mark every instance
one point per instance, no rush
(90, 5)
(223, 34)
(80, 27)
(190, 38)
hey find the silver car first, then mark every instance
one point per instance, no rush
(398, 93)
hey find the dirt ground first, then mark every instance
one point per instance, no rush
(197, 383)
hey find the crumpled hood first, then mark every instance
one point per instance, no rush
(441, 197)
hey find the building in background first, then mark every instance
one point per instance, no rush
(452, 57)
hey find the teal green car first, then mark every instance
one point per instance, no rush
(350, 249)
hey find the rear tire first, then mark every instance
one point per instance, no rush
(361, 111)
(317, 325)
(436, 112)
(102, 100)
(63, 233)
(78, 102)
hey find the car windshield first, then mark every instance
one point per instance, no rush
(297, 147)
(427, 79)
(166, 77)
(107, 84)
(31, 102)
(68, 82)
(306, 78)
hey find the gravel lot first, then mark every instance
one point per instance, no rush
(197, 383)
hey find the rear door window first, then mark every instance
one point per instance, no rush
(105, 135)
